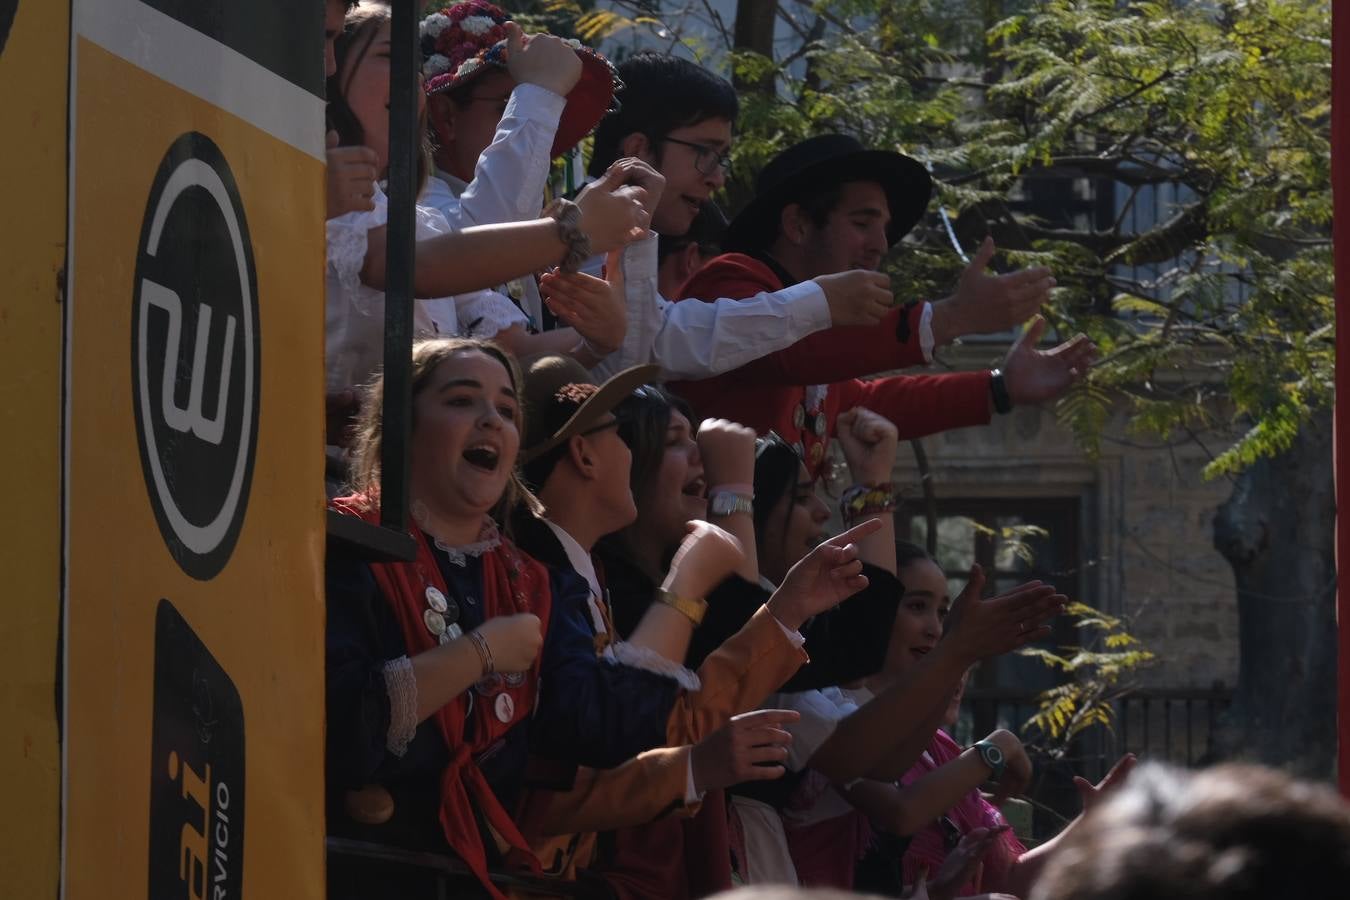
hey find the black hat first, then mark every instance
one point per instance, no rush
(830, 159)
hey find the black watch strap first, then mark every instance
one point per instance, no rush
(998, 389)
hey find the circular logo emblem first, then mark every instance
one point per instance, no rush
(195, 355)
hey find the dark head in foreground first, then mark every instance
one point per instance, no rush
(1237, 832)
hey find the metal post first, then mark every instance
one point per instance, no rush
(404, 141)
(1340, 181)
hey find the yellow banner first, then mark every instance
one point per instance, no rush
(194, 699)
(34, 42)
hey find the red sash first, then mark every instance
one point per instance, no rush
(512, 583)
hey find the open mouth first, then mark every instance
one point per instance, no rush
(695, 488)
(482, 456)
(695, 205)
(919, 652)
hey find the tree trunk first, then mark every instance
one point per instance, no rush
(754, 31)
(1277, 531)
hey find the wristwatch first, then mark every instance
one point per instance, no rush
(693, 610)
(992, 757)
(998, 391)
(724, 503)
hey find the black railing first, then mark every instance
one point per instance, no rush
(1179, 726)
(444, 877)
(1172, 725)
(390, 540)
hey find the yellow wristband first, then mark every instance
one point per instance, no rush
(693, 610)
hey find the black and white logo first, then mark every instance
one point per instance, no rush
(196, 769)
(195, 355)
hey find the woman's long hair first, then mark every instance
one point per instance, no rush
(369, 437)
(644, 418)
(351, 46)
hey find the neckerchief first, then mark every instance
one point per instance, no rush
(512, 583)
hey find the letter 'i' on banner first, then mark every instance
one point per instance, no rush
(193, 704)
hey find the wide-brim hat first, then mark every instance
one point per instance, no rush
(461, 42)
(561, 400)
(823, 160)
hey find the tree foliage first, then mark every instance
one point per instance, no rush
(1169, 160)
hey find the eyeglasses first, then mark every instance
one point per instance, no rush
(706, 159)
(603, 426)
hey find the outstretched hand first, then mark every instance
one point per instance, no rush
(1093, 794)
(984, 628)
(593, 306)
(987, 304)
(828, 575)
(1035, 376)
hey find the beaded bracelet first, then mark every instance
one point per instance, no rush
(863, 500)
(484, 652)
(568, 216)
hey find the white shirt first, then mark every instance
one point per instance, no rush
(354, 314)
(694, 339)
(508, 186)
(821, 712)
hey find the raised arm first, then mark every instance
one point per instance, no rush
(885, 737)
(510, 176)
(869, 442)
(904, 810)
(698, 340)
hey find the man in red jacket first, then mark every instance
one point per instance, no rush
(828, 205)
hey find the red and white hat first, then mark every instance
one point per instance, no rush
(459, 42)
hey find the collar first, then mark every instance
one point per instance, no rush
(775, 266)
(577, 556)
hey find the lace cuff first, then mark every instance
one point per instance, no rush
(484, 314)
(402, 688)
(347, 240)
(643, 658)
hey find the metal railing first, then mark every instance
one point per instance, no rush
(1175, 725)
(1179, 726)
(390, 540)
(445, 876)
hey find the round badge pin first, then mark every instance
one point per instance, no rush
(799, 417)
(435, 622)
(514, 679)
(435, 599)
(817, 451)
(820, 425)
(504, 707)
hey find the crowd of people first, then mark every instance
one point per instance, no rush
(629, 654)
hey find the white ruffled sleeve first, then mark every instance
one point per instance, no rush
(483, 314)
(648, 659)
(347, 241)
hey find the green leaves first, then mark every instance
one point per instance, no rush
(1098, 672)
